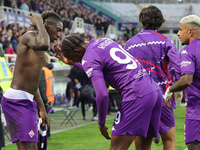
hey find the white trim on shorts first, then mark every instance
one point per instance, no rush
(18, 94)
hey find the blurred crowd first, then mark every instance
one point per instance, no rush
(67, 9)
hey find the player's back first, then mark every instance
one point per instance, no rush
(28, 67)
(150, 48)
(119, 68)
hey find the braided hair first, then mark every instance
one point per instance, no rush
(70, 43)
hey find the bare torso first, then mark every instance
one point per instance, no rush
(28, 67)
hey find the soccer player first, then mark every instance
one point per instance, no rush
(105, 60)
(189, 34)
(19, 101)
(160, 57)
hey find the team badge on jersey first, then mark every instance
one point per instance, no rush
(113, 128)
(31, 133)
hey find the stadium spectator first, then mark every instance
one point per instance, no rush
(75, 74)
(5, 81)
(98, 26)
(24, 88)
(24, 6)
(160, 57)
(15, 41)
(12, 68)
(87, 95)
(138, 113)
(46, 86)
(67, 9)
(10, 50)
(33, 5)
(2, 140)
(189, 34)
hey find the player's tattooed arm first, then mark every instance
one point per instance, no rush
(182, 83)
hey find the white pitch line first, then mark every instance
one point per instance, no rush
(68, 129)
(75, 127)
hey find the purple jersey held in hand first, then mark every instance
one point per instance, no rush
(42, 135)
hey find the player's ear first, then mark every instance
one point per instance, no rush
(46, 23)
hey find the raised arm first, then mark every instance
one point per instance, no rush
(38, 40)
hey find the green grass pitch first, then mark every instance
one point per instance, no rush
(88, 137)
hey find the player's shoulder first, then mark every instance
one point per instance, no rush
(27, 36)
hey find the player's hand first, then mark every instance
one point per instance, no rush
(44, 117)
(104, 132)
(180, 95)
(168, 103)
(58, 54)
(167, 97)
(35, 19)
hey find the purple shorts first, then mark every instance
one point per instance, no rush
(140, 116)
(21, 119)
(167, 120)
(192, 130)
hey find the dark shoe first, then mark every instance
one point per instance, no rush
(84, 118)
(157, 140)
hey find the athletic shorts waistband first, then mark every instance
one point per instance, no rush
(18, 94)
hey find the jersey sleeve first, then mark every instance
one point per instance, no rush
(93, 66)
(94, 69)
(78, 66)
(102, 100)
(187, 62)
(173, 55)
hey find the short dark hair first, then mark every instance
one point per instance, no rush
(51, 15)
(151, 17)
(70, 43)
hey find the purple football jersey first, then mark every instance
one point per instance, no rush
(158, 55)
(190, 64)
(42, 135)
(107, 60)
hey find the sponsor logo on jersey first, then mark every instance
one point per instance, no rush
(185, 63)
(31, 133)
(105, 43)
(89, 71)
(184, 52)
